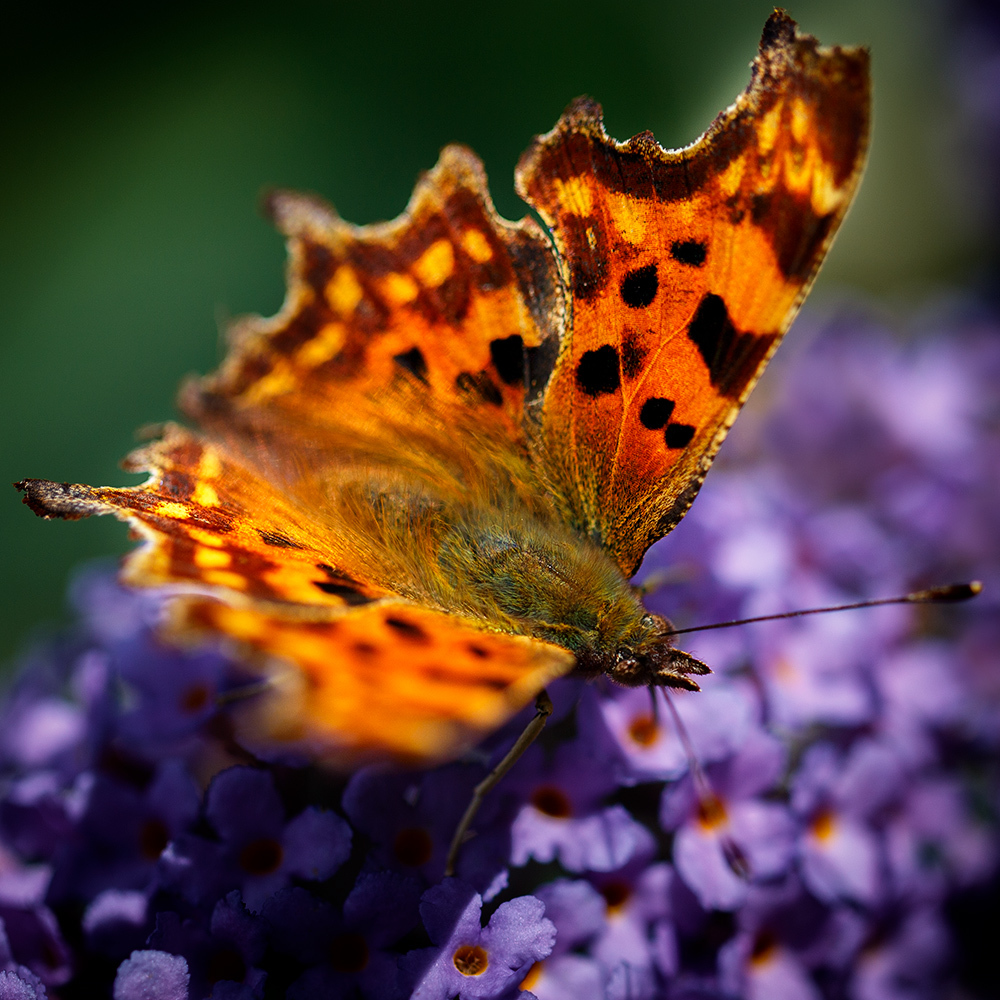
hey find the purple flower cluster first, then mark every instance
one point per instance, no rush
(848, 794)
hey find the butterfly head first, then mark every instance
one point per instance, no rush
(650, 661)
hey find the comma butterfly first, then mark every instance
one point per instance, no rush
(417, 494)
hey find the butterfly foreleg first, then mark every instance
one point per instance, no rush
(543, 709)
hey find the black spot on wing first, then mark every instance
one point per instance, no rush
(478, 384)
(540, 362)
(587, 254)
(444, 675)
(633, 355)
(655, 413)
(598, 371)
(340, 585)
(278, 541)
(176, 484)
(507, 354)
(347, 593)
(796, 232)
(798, 258)
(678, 435)
(414, 362)
(639, 286)
(690, 252)
(732, 357)
(410, 631)
(712, 332)
(760, 207)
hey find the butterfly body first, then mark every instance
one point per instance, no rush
(469, 542)
(417, 494)
(529, 578)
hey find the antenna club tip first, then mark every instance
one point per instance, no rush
(950, 593)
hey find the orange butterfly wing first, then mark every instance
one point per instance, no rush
(686, 268)
(212, 526)
(437, 312)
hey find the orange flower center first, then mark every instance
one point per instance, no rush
(531, 979)
(824, 824)
(644, 730)
(551, 801)
(616, 895)
(413, 846)
(261, 857)
(470, 960)
(711, 812)
(349, 953)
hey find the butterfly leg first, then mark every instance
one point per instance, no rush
(543, 709)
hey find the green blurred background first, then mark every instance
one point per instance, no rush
(137, 142)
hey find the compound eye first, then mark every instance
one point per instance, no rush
(657, 623)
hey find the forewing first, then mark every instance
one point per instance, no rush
(209, 525)
(686, 268)
(438, 312)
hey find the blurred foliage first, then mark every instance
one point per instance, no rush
(138, 141)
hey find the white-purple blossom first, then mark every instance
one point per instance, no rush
(470, 961)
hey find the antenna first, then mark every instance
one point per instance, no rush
(950, 593)
(710, 806)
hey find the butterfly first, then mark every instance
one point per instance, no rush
(418, 493)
